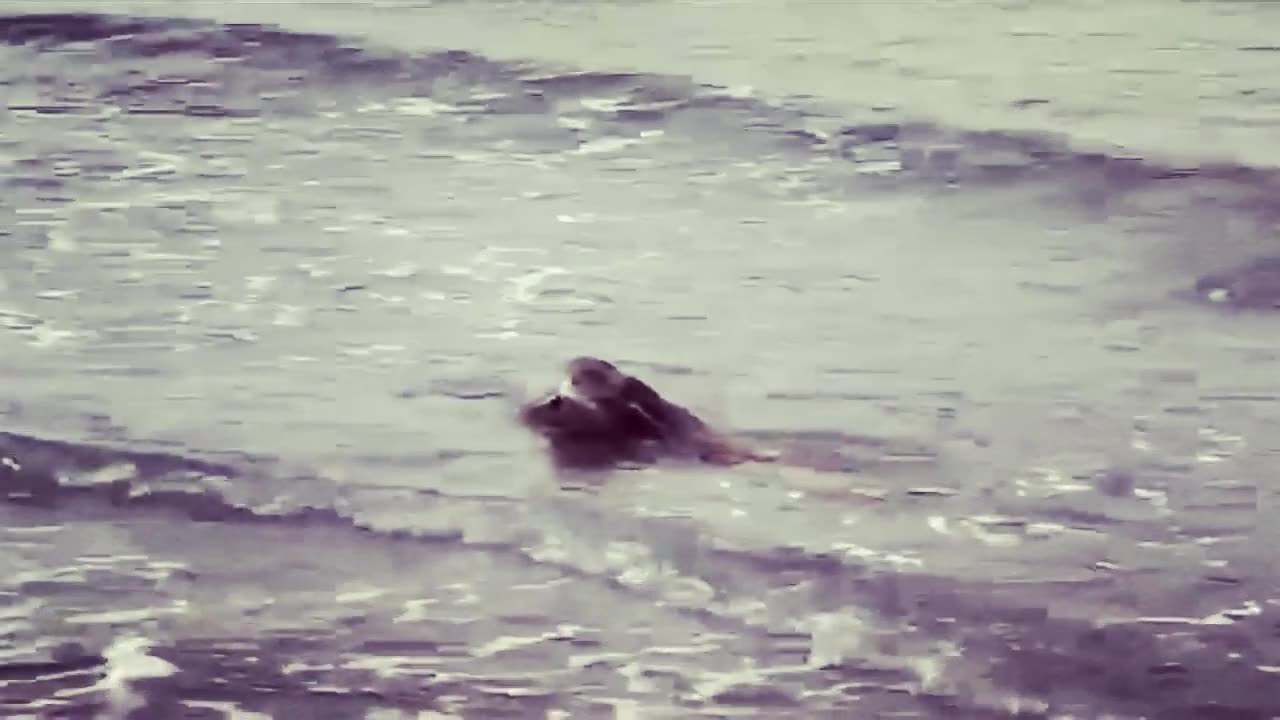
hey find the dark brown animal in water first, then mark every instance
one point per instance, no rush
(603, 416)
(582, 434)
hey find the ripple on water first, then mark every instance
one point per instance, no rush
(160, 225)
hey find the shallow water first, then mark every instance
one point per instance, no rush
(269, 300)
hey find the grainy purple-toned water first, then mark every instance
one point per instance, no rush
(270, 294)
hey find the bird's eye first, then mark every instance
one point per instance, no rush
(555, 403)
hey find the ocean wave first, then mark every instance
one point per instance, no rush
(197, 69)
(878, 145)
(910, 614)
(47, 473)
(592, 105)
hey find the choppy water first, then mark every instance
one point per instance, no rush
(1005, 273)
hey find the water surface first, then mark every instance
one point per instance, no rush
(271, 294)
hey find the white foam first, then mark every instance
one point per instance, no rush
(228, 709)
(605, 145)
(127, 663)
